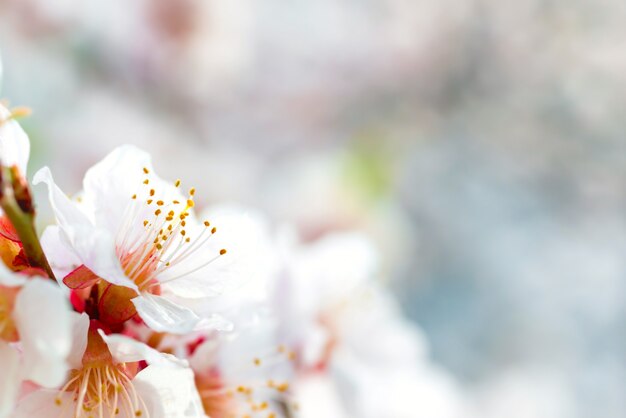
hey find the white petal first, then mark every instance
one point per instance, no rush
(244, 234)
(42, 316)
(9, 278)
(41, 404)
(109, 184)
(164, 316)
(169, 392)
(94, 246)
(337, 264)
(60, 254)
(80, 328)
(126, 350)
(9, 378)
(317, 397)
(66, 211)
(14, 143)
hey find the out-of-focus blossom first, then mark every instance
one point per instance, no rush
(35, 334)
(350, 339)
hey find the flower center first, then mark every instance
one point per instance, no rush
(101, 390)
(253, 394)
(148, 246)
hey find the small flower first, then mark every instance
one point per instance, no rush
(35, 334)
(244, 374)
(14, 143)
(133, 230)
(106, 381)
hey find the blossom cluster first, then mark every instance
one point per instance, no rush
(133, 303)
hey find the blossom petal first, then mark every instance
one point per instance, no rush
(244, 234)
(94, 246)
(42, 315)
(61, 255)
(9, 378)
(109, 184)
(66, 212)
(43, 404)
(80, 328)
(10, 279)
(126, 350)
(169, 392)
(164, 316)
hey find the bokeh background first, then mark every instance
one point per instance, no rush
(480, 143)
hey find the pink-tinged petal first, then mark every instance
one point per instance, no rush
(80, 278)
(164, 316)
(14, 143)
(205, 357)
(9, 378)
(42, 316)
(115, 305)
(169, 392)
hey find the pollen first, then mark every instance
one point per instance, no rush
(170, 245)
(146, 171)
(96, 388)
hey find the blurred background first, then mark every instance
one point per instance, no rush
(480, 143)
